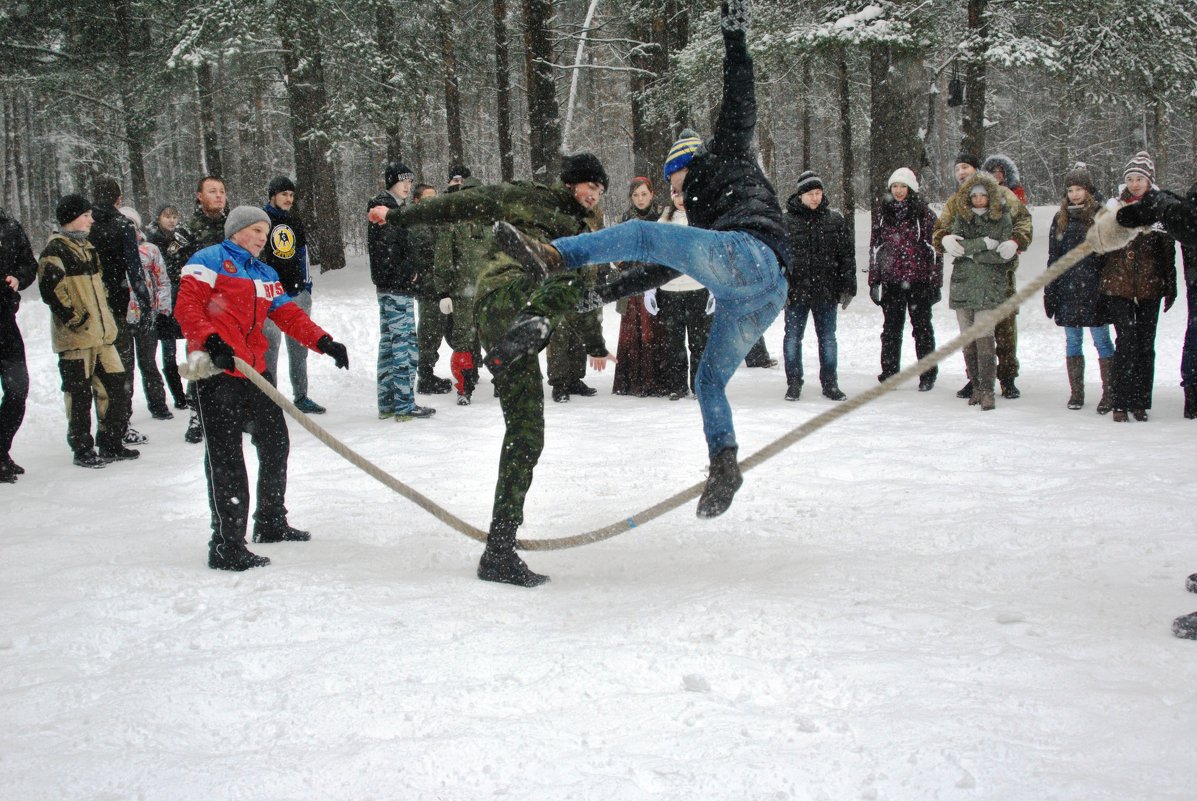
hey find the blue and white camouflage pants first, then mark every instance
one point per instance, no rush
(398, 352)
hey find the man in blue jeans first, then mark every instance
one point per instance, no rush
(735, 246)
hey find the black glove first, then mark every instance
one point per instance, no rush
(875, 293)
(937, 297)
(845, 299)
(220, 351)
(330, 347)
(1145, 211)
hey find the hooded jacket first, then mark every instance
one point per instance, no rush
(1073, 298)
(980, 277)
(824, 257)
(287, 250)
(115, 241)
(900, 249)
(1013, 178)
(226, 291)
(16, 259)
(71, 282)
(725, 189)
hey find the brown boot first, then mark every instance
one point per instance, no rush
(1103, 405)
(538, 259)
(1076, 381)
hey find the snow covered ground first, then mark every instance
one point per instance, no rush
(921, 602)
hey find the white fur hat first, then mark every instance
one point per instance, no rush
(904, 175)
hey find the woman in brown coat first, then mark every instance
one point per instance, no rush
(1133, 282)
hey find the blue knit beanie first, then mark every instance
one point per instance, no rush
(683, 152)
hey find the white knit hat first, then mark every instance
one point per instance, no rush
(904, 175)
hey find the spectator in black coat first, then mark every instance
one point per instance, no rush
(18, 268)
(822, 274)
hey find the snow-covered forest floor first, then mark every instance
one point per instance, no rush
(923, 601)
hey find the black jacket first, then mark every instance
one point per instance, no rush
(824, 256)
(725, 188)
(16, 259)
(287, 250)
(393, 268)
(115, 240)
(1179, 216)
(1073, 299)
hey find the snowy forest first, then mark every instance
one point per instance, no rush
(159, 94)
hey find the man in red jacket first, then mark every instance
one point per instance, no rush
(225, 297)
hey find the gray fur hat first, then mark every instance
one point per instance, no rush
(243, 217)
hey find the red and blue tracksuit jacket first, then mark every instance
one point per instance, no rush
(224, 290)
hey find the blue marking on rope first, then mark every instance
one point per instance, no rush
(631, 523)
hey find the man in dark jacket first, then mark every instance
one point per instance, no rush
(115, 240)
(396, 277)
(822, 275)
(18, 268)
(203, 230)
(287, 252)
(735, 246)
(505, 291)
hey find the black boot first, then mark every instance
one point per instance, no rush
(431, 384)
(1185, 626)
(527, 336)
(538, 259)
(794, 391)
(1191, 402)
(832, 391)
(279, 532)
(560, 395)
(1009, 391)
(965, 391)
(1191, 583)
(195, 431)
(500, 563)
(723, 479)
(233, 556)
(580, 387)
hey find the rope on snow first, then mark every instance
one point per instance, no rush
(984, 323)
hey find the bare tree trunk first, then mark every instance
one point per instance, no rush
(650, 140)
(573, 78)
(898, 81)
(388, 42)
(975, 80)
(1157, 138)
(210, 142)
(847, 158)
(503, 93)
(806, 97)
(306, 91)
(452, 95)
(134, 123)
(543, 117)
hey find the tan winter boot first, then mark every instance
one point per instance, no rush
(1105, 366)
(1076, 381)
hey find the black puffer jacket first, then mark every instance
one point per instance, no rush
(1179, 216)
(393, 266)
(115, 240)
(725, 189)
(16, 259)
(824, 256)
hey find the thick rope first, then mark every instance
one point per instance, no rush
(983, 325)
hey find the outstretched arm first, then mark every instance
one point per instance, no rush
(737, 116)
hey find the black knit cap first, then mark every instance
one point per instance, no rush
(280, 183)
(581, 168)
(459, 171)
(808, 181)
(968, 158)
(398, 171)
(70, 207)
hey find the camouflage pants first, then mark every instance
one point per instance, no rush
(521, 385)
(431, 328)
(567, 352)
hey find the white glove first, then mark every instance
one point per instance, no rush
(650, 302)
(990, 243)
(952, 246)
(1008, 249)
(710, 303)
(446, 305)
(198, 366)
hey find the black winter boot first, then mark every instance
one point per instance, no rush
(723, 479)
(195, 431)
(1190, 402)
(580, 387)
(1185, 626)
(965, 391)
(1009, 391)
(279, 532)
(233, 556)
(832, 391)
(430, 384)
(500, 563)
(1191, 583)
(527, 336)
(794, 390)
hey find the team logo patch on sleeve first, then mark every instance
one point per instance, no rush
(282, 241)
(229, 267)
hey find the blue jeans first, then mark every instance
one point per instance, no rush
(824, 315)
(739, 270)
(1074, 339)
